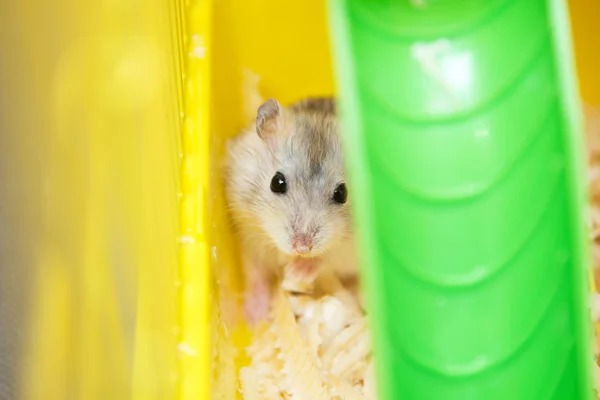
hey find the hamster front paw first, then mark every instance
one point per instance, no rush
(257, 305)
(300, 275)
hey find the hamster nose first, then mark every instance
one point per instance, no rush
(302, 243)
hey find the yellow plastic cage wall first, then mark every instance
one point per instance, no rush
(115, 252)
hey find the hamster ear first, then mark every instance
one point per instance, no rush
(269, 119)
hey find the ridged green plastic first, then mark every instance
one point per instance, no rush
(462, 131)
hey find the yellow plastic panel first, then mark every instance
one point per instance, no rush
(91, 122)
(585, 15)
(195, 296)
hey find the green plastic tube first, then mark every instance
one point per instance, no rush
(463, 135)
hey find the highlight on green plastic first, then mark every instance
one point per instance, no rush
(462, 123)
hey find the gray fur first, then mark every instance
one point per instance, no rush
(322, 105)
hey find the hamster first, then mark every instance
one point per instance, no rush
(285, 184)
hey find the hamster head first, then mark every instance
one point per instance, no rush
(299, 196)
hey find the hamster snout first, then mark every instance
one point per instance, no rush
(302, 243)
(303, 239)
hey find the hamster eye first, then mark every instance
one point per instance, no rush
(278, 183)
(340, 194)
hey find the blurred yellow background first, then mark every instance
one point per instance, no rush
(585, 22)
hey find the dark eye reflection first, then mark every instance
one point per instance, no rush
(278, 183)
(340, 194)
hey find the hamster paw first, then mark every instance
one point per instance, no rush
(257, 306)
(300, 275)
(304, 269)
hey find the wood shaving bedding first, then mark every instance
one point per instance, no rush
(592, 125)
(315, 346)
(592, 129)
